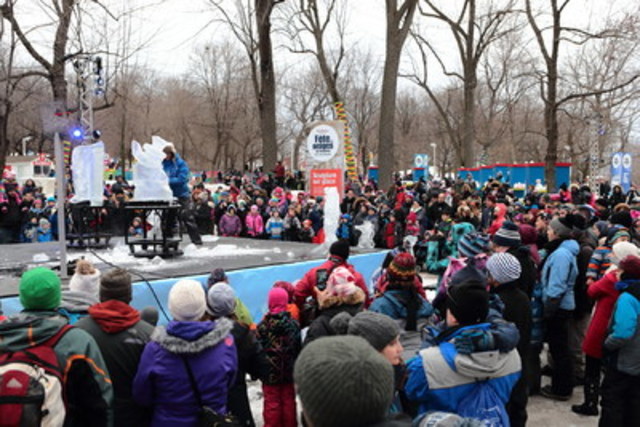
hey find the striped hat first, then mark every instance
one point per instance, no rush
(402, 268)
(504, 267)
(508, 235)
(473, 244)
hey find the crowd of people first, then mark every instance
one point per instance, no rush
(515, 276)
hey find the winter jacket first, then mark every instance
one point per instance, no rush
(255, 226)
(86, 383)
(75, 305)
(279, 335)
(605, 294)
(529, 271)
(162, 381)
(321, 325)
(599, 263)
(500, 211)
(44, 235)
(252, 361)
(291, 226)
(439, 378)
(624, 338)
(305, 287)
(177, 171)
(588, 243)
(230, 225)
(559, 276)
(394, 303)
(121, 336)
(275, 227)
(517, 309)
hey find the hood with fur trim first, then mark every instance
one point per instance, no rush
(192, 337)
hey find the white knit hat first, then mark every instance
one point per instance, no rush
(621, 250)
(187, 301)
(504, 267)
(85, 279)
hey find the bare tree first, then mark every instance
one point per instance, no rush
(399, 18)
(251, 26)
(549, 78)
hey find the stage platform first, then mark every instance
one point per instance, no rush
(253, 266)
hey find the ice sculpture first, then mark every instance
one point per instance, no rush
(150, 180)
(87, 169)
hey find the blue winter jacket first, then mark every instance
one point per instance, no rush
(624, 337)
(178, 172)
(559, 275)
(439, 378)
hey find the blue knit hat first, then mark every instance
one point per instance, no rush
(508, 235)
(473, 244)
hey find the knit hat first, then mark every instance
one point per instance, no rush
(615, 233)
(528, 234)
(508, 235)
(622, 218)
(187, 301)
(378, 329)
(473, 244)
(86, 278)
(221, 300)
(340, 248)
(504, 267)
(402, 268)
(217, 275)
(621, 250)
(278, 299)
(561, 227)
(630, 267)
(468, 302)
(343, 381)
(287, 286)
(40, 289)
(341, 282)
(116, 284)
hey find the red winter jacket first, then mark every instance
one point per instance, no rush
(605, 294)
(304, 288)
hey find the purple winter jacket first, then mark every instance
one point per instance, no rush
(162, 381)
(230, 225)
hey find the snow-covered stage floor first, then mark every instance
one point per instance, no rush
(253, 266)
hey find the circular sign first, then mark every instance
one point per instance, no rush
(626, 161)
(616, 160)
(322, 143)
(418, 161)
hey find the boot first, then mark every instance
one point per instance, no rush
(591, 394)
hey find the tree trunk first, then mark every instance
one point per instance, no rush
(267, 97)
(386, 149)
(4, 142)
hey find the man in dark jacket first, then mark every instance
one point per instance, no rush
(178, 172)
(121, 336)
(504, 274)
(507, 239)
(86, 384)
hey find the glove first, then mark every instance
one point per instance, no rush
(474, 341)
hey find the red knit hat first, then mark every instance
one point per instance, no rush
(402, 268)
(630, 267)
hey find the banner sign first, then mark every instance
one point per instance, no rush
(325, 178)
(421, 161)
(616, 169)
(323, 143)
(625, 180)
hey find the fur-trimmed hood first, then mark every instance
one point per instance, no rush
(192, 337)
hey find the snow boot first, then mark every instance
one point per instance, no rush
(591, 394)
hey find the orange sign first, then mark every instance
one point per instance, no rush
(325, 178)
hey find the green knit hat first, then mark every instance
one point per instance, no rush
(40, 289)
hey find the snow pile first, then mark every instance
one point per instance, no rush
(366, 238)
(41, 257)
(331, 216)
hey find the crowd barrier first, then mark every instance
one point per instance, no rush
(251, 285)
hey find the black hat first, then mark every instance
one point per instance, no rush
(468, 302)
(622, 218)
(340, 248)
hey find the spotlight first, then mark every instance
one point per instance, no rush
(77, 133)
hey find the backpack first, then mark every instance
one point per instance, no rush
(31, 391)
(483, 404)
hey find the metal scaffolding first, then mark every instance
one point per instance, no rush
(90, 83)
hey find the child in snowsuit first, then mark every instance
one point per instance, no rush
(275, 225)
(279, 336)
